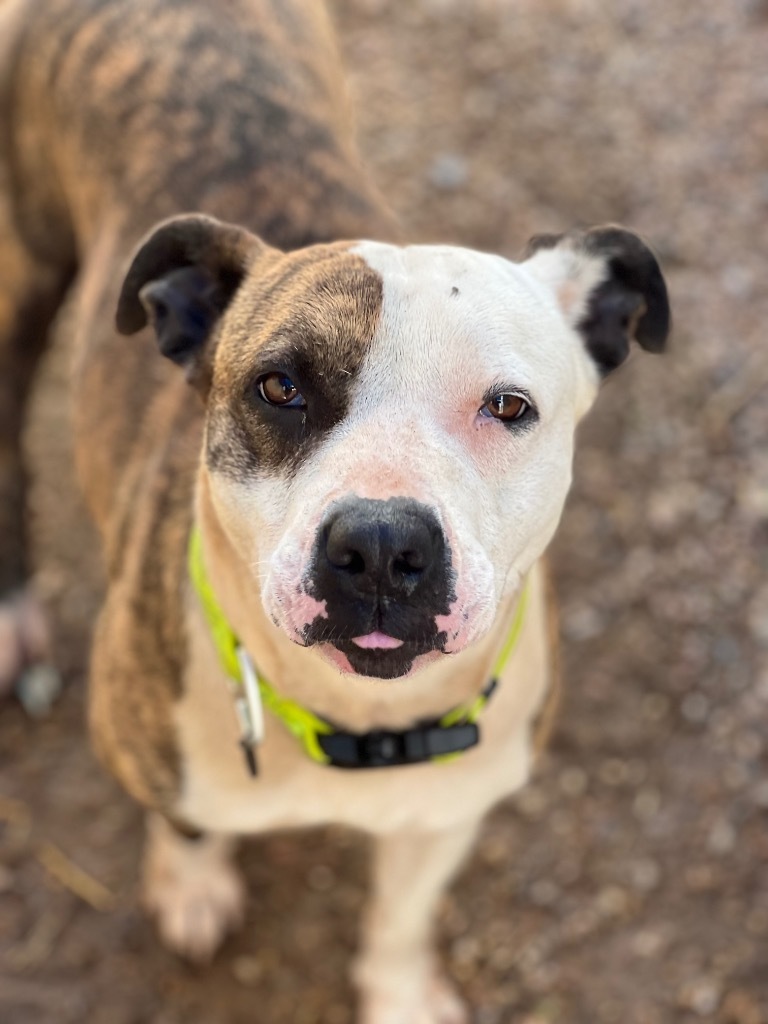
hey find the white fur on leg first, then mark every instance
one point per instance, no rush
(192, 889)
(396, 972)
(445, 1003)
(428, 998)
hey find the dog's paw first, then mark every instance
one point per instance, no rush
(445, 1005)
(25, 653)
(437, 1003)
(192, 890)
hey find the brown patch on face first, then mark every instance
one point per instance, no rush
(310, 316)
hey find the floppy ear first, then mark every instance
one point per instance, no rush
(181, 280)
(609, 288)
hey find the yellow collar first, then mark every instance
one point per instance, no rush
(442, 739)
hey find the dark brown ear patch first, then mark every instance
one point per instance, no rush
(181, 280)
(630, 303)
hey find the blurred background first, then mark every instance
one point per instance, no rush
(628, 884)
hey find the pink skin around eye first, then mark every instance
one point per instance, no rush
(380, 641)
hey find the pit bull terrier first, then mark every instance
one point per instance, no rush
(324, 511)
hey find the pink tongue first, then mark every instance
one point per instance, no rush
(381, 640)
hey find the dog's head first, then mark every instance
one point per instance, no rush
(390, 430)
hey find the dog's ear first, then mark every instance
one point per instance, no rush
(181, 280)
(609, 287)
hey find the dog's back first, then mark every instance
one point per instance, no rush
(152, 107)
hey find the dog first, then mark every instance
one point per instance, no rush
(324, 512)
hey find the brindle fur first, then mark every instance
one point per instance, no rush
(114, 116)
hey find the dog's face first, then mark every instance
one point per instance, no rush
(389, 443)
(390, 430)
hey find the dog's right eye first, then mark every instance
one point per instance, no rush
(278, 389)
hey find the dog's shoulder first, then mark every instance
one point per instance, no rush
(140, 648)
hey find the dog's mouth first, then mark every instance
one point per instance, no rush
(376, 654)
(377, 662)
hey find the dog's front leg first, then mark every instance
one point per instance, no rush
(397, 972)
(191, 887)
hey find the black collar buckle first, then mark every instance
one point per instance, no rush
(383, 748)
(378, 749)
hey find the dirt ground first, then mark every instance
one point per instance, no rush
(628, 884)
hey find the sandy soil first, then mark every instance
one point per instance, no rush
(628, 884)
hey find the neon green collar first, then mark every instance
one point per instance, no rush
(443, 739)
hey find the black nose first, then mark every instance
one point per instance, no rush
(387, 548)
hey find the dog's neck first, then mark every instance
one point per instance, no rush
(353, 702)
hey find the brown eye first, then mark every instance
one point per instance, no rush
(278, 389)
(505, 407)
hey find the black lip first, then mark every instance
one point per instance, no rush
(383, 664)
(377, 662)
(363, 620)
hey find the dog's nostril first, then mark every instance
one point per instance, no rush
(342, 556)
(353, 562)
(409, 563)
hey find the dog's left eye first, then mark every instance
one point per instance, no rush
(505, 407)
(278, 389)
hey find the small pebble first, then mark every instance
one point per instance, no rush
(466, 950)
(573, 781)
(38, 689)
(448, 172)
(248, 970)
(737, 281)
(645, 874)
(612, 901)
(722, 837)
(656, 706)
(646, 804)
(702, 996)
(583, 623)
(544, 893)
(648, 943)
(695, 708)
(612, 772)
(532, 802)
